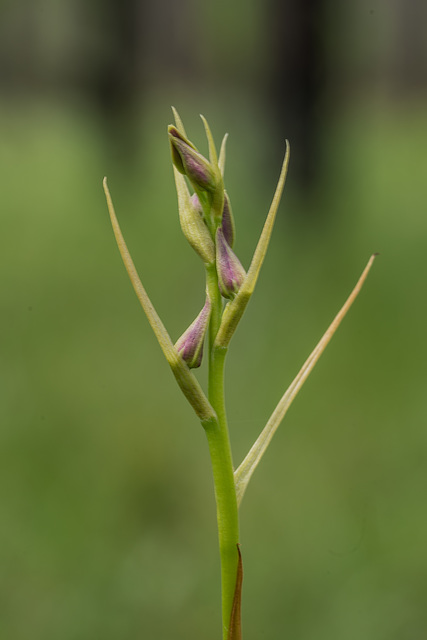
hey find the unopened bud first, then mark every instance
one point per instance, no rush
(195, 230)
(227, 222)
(190, 344)
(229, 269)
(190, 162)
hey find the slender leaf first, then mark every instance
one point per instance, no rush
(186, 380)
(243, 474)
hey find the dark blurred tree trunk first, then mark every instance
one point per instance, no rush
(171, 42)
(410, 55)
(114, 82)
(296, 80)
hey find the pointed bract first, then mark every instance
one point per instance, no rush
(221, 160)
(188, 383)
(235, 309)
(212, 149)
(178, 122)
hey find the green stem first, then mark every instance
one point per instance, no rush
(221, 460)
(216, 302)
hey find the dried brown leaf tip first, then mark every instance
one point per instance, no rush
(235, 630)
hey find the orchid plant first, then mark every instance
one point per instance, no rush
(207, 222)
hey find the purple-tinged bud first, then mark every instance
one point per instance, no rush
(227, 223)
(229, 269)
(190, 344)
(190, 162)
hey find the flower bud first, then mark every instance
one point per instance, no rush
(227, 222)
(190, 344)
(190, 162)
(194, 228)
(229, 269)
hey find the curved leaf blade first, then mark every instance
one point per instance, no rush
(186, 380)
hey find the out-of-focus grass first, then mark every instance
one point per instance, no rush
(107, 524)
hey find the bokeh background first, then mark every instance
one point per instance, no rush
(107, 518)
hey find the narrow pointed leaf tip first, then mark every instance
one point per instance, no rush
(212, 149)
(186, 380)
(222, 154)
(244, 473)
(178, 122)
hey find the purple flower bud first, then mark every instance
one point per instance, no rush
(190, 344)
(229, 269)
(190, 162)
(227, 223)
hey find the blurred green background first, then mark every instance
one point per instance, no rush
(107, 517)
